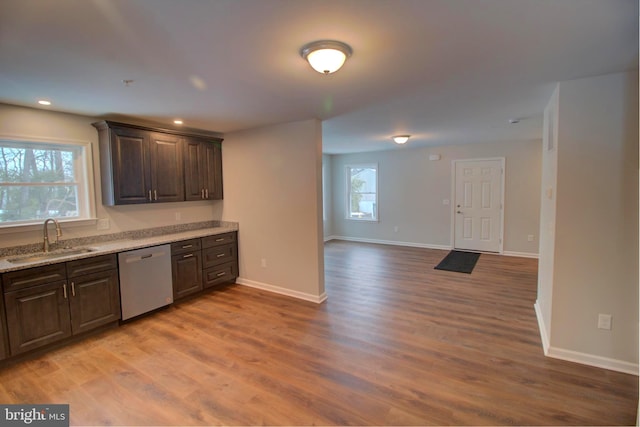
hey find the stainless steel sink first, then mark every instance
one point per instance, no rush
(43, 256)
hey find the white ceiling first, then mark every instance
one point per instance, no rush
(444, 71)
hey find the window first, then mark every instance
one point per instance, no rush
(362, 192)
(40, 180)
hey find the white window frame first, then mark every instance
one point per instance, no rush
(348, 191)
(83, 170)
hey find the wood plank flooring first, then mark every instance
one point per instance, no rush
(396, 343)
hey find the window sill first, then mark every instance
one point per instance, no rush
(37, 226)
(363, 219)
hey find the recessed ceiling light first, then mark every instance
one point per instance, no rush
(178, 121)
(44, 102)
(400, 139)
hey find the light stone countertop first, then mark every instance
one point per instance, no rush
(110, 247)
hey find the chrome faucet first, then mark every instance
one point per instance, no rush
(45, 234)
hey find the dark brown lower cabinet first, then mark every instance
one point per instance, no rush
(42, 311)
(4, 352)
(37, 316)
(94, 300)
(187, 274)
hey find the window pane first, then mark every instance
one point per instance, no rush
(35, 165)
(362, 193)
(29, 202)
(40, 180)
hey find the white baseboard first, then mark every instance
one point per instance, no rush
(282, 291)
(420, 245)
(578, 357)
(593, 360)
(521, 254)
(389, 242)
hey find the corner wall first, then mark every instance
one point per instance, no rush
(595, 246)
(273, 188)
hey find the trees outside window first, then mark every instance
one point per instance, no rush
(42, 180)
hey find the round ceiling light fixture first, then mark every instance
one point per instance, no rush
(401, 139)
(326, 56)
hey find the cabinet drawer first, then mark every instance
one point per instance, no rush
(21, 279)
(223, 273)
(185, 246)
(219, 239)
(219, 255)
(92, 265)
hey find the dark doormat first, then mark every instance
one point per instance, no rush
(461, 262)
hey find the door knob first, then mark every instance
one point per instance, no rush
(459, 212)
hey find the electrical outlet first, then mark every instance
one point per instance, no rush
(530, 238)
(604, 321)
(263, 263)
(395, 228)
(178, 216)
(103, 224)
(445, 202)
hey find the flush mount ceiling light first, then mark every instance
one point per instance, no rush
(400, 139)
(44, 102)
(326, 56)
(178, 121)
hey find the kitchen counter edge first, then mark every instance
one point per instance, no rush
(116, 246)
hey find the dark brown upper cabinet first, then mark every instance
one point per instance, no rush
(203, 169)
(142, 164)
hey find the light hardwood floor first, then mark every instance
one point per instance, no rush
(397, 343)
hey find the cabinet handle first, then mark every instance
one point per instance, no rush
(220, 239)
(220, 255)
(202, 193)
(186, 246)
(155, 195)
(206, 193)
(64, 290)
(221, 274)
(150, 199)
(187, 256)
(73, 289)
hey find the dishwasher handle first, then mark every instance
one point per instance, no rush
(139, 258)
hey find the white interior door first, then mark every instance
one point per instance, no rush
(478, 205)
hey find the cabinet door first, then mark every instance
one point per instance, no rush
(193, 170)
(3, 332)
(186, 269)
(213, 170)
(167, 169)
(131, 166)
(94, 300)
(37, 316)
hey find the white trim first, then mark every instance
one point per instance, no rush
(541, 327)
(578, 357)
(593, 360)
(282, 291)
(521, 254)
(390, 242)
(503, 166)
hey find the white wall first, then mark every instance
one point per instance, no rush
(595, 260)
(25, 122)
(412, 189)
(272, 187)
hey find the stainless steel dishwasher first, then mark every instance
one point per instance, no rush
(145, 280)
